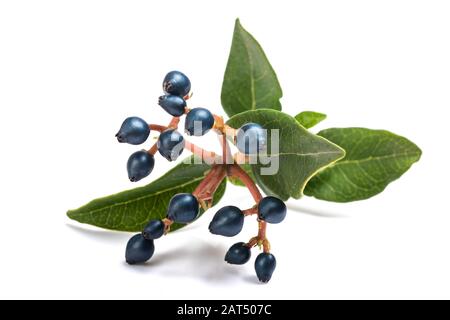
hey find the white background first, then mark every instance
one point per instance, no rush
(71, 71)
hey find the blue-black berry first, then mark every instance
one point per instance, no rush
(139, 250)
(134, 130)
(140, 164)
(198, 122)
(176, 83)
(239, 253)
(170, 144)
(227, 222)
(153, 230)
(251, 138)
(183, 208)
(265, 264)
(271, 210)
(174, 105)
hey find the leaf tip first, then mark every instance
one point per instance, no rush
(343, 153)
(69, 214)
(237, 24)
(419, 152)
(309, 119)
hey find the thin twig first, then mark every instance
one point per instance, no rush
(207, 156)
(153, 149)
(157, 127)
(251, 211)
(206, 189)
(237, 172)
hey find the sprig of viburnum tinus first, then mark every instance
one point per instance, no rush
(184, 207)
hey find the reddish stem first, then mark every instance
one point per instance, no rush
(226, 151)
(251, 211)
(174, 122)
(206, 189)
(208, 156)
(231, 132)
(253, 242)
(224, 144)
(219, 124)
(237, 172)
(262, 229)
(167, 223)
(157, 127)
(225, 131)
(205, 181)
(261, 238)
(153, 149)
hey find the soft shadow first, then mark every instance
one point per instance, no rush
(102, 235)
(253, 279)
(197, 259)
(315, 212)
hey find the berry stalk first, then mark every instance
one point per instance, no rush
(251, 211)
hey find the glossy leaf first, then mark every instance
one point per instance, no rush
(300, 154)
(131, 210)
(374, 159)
(309, 119)
(249, 82)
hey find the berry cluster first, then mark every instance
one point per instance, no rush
(184, 207)
(229, 221)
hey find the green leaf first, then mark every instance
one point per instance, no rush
(250, 82)
(374, 159)
(131, 210)
(248, 169)
(309, 119)
(300, 154)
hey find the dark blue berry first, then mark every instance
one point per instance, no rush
(170, 144)
(227, 222)
(154, 230)
(140, 164)
(174, 105)
(139, 250)
(176, 83)
(134, 130)
(183, 208)
(198, 122)
(265, 264)
(251, 138)
(239, 253)
(271, 210)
